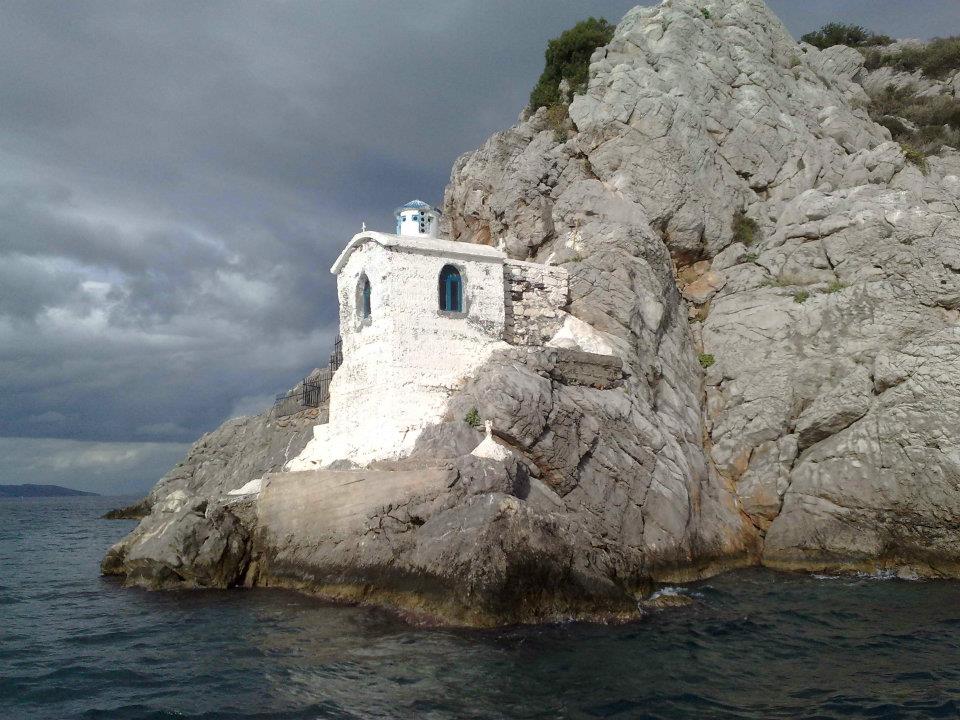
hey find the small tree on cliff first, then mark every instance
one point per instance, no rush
(843, 34)
(568, 58)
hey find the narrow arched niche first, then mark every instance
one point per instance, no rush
(364, 292)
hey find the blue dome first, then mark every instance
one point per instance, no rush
(414, 205)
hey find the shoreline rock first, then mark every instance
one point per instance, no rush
(136, 511)
(788, 398)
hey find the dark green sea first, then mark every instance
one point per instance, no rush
(753, 644)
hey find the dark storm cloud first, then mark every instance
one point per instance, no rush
(176, 179)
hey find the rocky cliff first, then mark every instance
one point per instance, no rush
(780, 288)
(193, 532)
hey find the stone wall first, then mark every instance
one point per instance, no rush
(534, 298)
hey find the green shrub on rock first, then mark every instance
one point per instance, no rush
(916, 156)
(922, 124)
(836, 33)
(936, 58)
(568, 58)
(745, 229)
(801, 296)
(557, 117)
(921, 110)
(472, 418)
(706, 360)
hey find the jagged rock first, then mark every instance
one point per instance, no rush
(847, 270)
(177, 541)
(762, 485)
(704, 287)
(136, 511)
(729, 256)
(838, 63)
(780, 362)
(461, 545)
(822, 433)
(692, 116)
(200, 545)
(835, 408)
(885, 490)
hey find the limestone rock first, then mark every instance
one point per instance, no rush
(685, 121)
(704, 287)
(835, 408)
(823, 434)
(692, 117)
(183, 538)
(574, 333)
(200, 545)
(886, 490)
(729, 256)
(762, 485)
(460, 545)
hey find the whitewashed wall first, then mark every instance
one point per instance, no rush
(400, 366)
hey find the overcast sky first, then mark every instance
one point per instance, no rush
(176, 179)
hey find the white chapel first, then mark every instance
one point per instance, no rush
(419, 315)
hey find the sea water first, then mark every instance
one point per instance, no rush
(752, 644)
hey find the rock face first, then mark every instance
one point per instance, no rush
(193, 533)
(719, 190)
(691, 117)
(592, 503)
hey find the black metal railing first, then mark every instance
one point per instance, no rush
(336, 357)
(313, 390)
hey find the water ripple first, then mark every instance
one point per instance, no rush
(752, 645)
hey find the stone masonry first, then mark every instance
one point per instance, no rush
(534, 297)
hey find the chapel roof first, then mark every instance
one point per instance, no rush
(418, 244)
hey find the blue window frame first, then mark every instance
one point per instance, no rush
(451, 289)
(365, 298)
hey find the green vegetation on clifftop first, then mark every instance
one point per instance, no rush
(936, 59)
(922, 124)
(568, 58)
(836, 33)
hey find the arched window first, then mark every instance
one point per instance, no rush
(451, 289)
(363, 297)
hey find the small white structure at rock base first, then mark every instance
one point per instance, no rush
(490, 448)
(419, 316)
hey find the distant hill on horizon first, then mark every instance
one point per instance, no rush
(31, 490)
